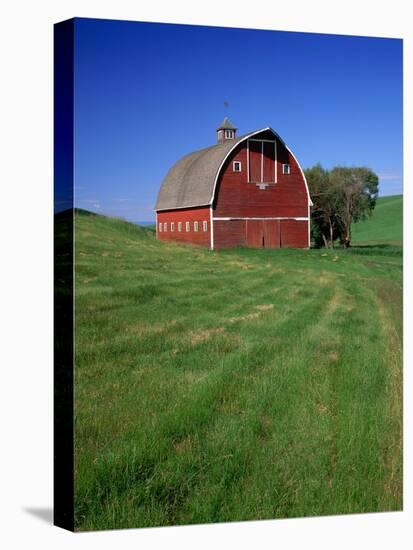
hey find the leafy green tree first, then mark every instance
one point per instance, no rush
(323, 226)
(355, 193)
(341, 197)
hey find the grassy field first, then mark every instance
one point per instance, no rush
(385, 225)
(233, 385)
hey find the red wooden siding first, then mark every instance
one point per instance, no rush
(228, 234)
(263, 233)
(235, 197)
(254, 236)
(184, 215)
(272, 233)
(268, 162)
(294, 234)
(255, 161)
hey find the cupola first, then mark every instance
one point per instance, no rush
(226, 131)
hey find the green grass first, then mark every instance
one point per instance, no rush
(385, 224)
(233, 385)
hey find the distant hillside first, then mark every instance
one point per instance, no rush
(385, 224)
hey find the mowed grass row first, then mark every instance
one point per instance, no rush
(235, 385)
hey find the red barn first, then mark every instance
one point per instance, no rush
(243, 191)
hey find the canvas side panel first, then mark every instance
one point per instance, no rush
(63, 275)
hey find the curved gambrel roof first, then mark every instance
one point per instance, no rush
(192, 180)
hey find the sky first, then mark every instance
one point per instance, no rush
(148, 93)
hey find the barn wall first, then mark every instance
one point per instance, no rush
(235, 197)
(294, 234)
(185, 215)
(228, 234)
(276, 233)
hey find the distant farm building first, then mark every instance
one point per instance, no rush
(243, 191)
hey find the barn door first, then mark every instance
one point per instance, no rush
(263, 233)
(255, 234)
(294, 234)
(272, 233)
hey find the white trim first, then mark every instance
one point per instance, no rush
(187, 227)
(182, 207)
(234, 162)
(172, 227)
(298, 164)
(257, 218)
(211, 227)
(262, 161)
(288, 167)
(262, 141)
(266, 140)
(248, 160)
(196, 227)
(156, 224)
(309, 227)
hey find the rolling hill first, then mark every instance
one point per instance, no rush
(385, 224)
(234, 385)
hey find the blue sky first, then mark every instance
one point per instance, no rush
(148, 93)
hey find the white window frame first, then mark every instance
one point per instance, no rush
(179, 227)
(196, 227)
(160, 227)
(187, 227)
(205, 226)
(229, 134)
(237, 162)
(172, 227)
(286, 169)
(262, 159)
(165, 227)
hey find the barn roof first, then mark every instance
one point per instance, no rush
(191, 180)
(226, 124)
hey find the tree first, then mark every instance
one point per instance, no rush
(323, 226)
(342, 196)
(355, 193)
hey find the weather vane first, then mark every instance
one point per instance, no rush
(226, 104)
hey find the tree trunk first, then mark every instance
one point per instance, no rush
(331, 233)
(347, 239)
(324, 240)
